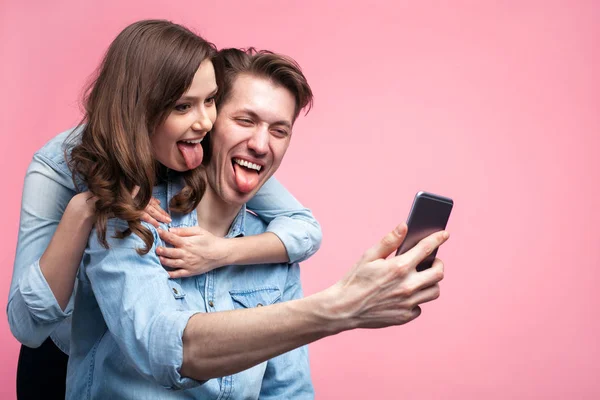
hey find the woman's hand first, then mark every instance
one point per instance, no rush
(195, 251)
(153, 214)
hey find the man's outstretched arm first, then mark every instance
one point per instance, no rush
(375, 293)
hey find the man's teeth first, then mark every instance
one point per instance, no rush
(247, 164)
(193, 141)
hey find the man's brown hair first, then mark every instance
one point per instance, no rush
(280, 69)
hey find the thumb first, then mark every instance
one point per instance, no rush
(387, 245)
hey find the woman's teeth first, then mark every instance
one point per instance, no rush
(193, 141)
(247, 164)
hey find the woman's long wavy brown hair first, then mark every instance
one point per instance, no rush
(146, 69)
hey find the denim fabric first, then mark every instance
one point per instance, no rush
(130, 316)
(33, 312)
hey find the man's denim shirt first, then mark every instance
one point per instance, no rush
(130, 316)
(33, 312)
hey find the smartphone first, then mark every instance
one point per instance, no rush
(429, 214)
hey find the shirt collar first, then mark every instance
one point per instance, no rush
(238, 227)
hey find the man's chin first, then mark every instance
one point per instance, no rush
(234, 197)
(238, 198)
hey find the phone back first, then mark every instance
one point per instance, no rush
(429, 214)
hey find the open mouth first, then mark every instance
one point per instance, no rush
(192, 152)
(246, 174)
(247, 164)
(197, 141)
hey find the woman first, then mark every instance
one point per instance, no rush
(148, 114)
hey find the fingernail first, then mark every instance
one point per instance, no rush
(445, 235)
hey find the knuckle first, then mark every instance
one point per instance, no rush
(388, 240)
(401, 267)
(411, 289)
(440, 264)
(401, 292)
(439, 275)
(406, 290)
(427, 249)
(364, 257)
(407, 315)
(410, 303)
(436, 292)
(440, 237)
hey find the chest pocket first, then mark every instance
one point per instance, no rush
(255, 297)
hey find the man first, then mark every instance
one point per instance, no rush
(243, 325)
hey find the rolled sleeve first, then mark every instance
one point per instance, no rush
(297, 236)
(166, 350)
(39, 299)
(38, 311)
(293, 224)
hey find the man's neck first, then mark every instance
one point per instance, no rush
(214, 214)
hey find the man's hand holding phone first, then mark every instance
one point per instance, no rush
(380, 291)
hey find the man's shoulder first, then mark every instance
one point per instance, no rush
(253, 224)
(114, 228)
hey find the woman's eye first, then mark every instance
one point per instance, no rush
(182, 107)
(210, 100)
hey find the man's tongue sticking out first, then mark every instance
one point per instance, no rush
(192, 154)
(246, 179)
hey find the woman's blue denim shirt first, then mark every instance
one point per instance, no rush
(33, 312)
(130, 316)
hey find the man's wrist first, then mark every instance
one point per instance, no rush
(329, 305)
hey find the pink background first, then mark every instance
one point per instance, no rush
(495, 104)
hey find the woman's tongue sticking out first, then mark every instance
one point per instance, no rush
(192, 154)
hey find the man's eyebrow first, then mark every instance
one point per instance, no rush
(254, 115)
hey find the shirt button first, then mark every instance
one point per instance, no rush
(210, 303)
(175, 291)
(259, 305)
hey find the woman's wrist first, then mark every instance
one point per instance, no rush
(265, 248)
(229, 251)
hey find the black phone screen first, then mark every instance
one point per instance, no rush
(429, 214)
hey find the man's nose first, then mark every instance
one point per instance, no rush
(259, 142)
